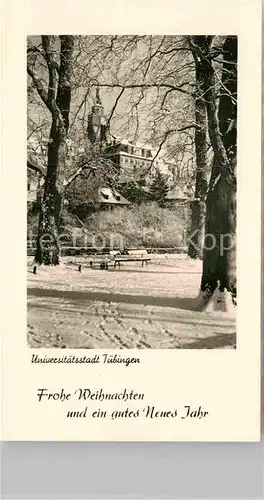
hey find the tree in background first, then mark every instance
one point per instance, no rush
(202, 172)
(133, 192)
(82, 194)
(159, 189)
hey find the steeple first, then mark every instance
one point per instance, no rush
(98, 98)
(96, 129)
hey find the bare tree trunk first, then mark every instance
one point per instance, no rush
(198, 206)
(228, 119)
(231, 278)
(48, 244)
(58, 101)
(220, 227)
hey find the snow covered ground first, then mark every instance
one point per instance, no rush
(130, 307)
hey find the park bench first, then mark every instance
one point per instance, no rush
(133, 256)
(115, 258)
(101, 260)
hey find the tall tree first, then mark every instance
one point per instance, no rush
(219, 262)
(57, 98)
(198, 206)
(159, 189)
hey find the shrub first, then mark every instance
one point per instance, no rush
(145, 225)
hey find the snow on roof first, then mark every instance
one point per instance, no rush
(125, 141)
(136, 144)
(109, 196)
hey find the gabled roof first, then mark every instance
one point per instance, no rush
(109, 196)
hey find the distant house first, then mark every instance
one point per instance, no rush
(109, 199)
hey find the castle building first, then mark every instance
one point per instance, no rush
(133, 161)
(97, 128)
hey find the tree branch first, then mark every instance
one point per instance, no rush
(145, 86)
(165, 97)
(42, 125)
(36, 168)
(186, 128)
(115, 105)
(39, 87)
(63, 100)
(46, 43)
(77, 173)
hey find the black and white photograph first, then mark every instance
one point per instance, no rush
(131, 191)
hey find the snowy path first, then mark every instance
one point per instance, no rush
(131, 308)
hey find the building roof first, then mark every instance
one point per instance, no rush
(111, 197)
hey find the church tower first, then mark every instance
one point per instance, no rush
(97, 130)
